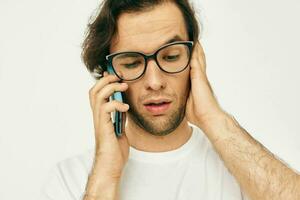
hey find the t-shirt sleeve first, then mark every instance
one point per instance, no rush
(55, 187)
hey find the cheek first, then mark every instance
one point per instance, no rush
(130, 95)
(182, 85)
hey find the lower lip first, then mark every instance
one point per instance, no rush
(158, 109)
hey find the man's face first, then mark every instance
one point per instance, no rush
(145, 32)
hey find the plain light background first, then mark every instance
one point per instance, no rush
(252, 51)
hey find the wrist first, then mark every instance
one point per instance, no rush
(210, 120)
(101, 187)
(102, 174)
(102, 183)
(216, 127)
(107, 167)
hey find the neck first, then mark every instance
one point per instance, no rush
(144, 141)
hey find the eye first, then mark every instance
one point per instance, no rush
(131, 65)
(171, 58)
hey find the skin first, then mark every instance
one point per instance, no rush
(260, 174)
(160, 28)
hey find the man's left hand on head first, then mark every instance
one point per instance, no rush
(202, 105)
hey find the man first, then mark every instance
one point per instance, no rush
(160, 67)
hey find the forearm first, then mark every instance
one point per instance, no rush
(100, 186)
(257, 170)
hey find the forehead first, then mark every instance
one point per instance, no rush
(146, 31)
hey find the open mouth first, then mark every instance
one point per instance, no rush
(156, 104)
(157, 108)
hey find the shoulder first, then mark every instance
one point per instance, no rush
(73, 165)
(67, 179)
(215, 170)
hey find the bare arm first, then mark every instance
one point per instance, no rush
(258, 171)
(100, 186)
(111, 152)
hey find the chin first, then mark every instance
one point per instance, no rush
(159, 125)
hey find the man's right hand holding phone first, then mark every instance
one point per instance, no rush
(111, 152)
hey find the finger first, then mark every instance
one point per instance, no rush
(99, 85)
(103, 96)
(198, 69)
(112, 106)
(105, 73)
(108, 91)
(102, 82)
(202, 55)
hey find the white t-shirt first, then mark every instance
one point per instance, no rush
(191, 172)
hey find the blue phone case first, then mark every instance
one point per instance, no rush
(118, 125)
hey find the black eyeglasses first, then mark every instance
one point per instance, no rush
(170, 58)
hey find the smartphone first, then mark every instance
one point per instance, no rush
(117, 117)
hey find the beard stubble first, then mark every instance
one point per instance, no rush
(158, 126)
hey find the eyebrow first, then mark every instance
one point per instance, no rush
(130, 55)
(174, 39)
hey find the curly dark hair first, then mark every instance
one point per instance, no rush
(103, 28)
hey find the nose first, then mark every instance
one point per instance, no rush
(154, 78)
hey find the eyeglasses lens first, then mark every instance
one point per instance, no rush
(173, 58)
